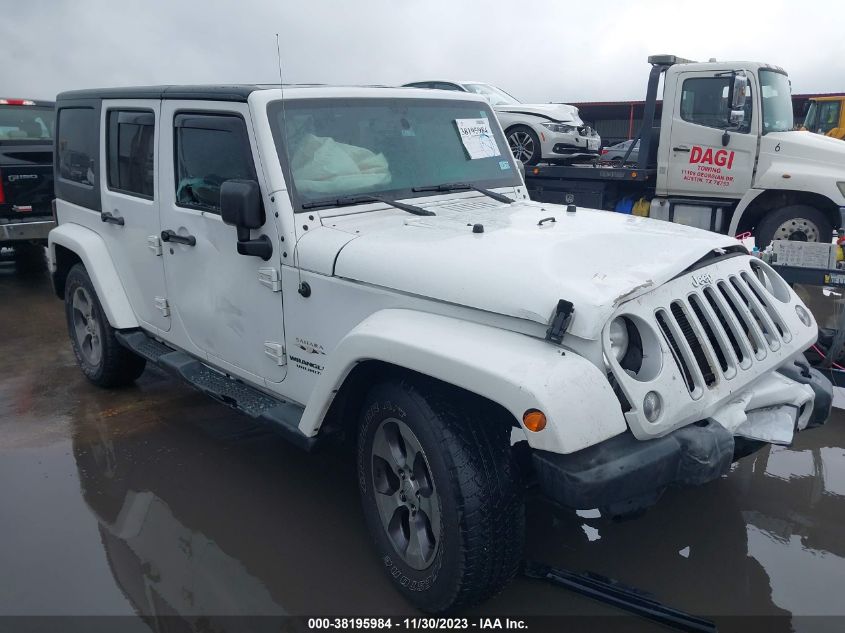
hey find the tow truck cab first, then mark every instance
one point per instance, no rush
(724, 156)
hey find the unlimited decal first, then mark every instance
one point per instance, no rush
(710, 167)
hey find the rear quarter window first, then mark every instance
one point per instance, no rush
(77, 154)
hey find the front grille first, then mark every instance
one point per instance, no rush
(720, 328)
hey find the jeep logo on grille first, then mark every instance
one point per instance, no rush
(704, 279)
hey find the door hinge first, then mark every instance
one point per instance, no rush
(271, 278)
(162, 304)
(154, 244)
(276, 351)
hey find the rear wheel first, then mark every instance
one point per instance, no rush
(103, 360)
(797, 222)
(525, 144)
(441, 493)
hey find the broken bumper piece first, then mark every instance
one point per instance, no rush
(624, 475)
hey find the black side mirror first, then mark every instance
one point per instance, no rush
(240, 205)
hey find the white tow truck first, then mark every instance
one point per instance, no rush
(724, 157)
(365, 263)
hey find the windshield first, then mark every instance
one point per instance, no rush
(388, 147)
(777, 102)
(495, 96)
(823, 116)
(26, 123)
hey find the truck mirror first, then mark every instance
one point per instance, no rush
(739, 91)
(240, 204)
(737, 118)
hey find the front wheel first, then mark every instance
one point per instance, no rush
(441, 493)
(103, 360)
(796, 222)
(525, 145)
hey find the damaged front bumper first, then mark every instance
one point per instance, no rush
(624, 475)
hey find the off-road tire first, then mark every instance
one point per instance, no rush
(764, 232)
(537, 155)
(466, 442)
(116, 366)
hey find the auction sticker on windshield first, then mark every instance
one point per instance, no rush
(477, 138)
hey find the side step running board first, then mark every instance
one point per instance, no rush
(281, 415)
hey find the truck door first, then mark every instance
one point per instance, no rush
(228, 307)
(698, 164)
(130, 205)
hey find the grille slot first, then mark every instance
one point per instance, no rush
(663, 322)
(759, 293)
(727, 325)
(679, 312)
(705, 321)
(748, 328)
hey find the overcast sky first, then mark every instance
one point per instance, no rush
(539, 51)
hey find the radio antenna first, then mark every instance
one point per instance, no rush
(304, 289)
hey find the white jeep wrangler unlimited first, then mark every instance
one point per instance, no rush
(365, 263)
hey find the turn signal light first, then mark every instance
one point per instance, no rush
(534, 420)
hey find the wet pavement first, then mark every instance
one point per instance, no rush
(155, 500)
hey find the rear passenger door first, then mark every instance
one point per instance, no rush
(130, 209)
(227, 306)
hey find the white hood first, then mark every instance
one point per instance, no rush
(595, 259)
(558, 111)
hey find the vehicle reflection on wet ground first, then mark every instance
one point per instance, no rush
(155, 500)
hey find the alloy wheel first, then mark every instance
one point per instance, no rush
(407, 502)
(86, 327)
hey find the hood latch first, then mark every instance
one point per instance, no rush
(560, 321)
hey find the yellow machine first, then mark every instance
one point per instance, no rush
(826, 116)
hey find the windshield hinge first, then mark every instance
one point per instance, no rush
(154, 244)
(560, 321)
(276, 351)
(271, 278)
(162, 304)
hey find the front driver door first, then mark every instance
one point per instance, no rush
(699, 164)
(226, 307)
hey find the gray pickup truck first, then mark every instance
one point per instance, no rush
(26, 174)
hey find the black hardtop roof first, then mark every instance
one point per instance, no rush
(235, 92)
(210, 92)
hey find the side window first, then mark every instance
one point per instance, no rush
(210, 149)
(440, 85)
(704, 101)
(77, 145)
(131, 145)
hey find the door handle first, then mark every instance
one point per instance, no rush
(172, 236)
(681, 148)
(105, 216)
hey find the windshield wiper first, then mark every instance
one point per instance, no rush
(463, 186)
(345, 201)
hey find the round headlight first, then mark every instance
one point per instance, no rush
(618, 338)
(805, 317)
(652, 406)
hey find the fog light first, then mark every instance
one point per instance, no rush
(805, 317)
(534, 420)
(652, 406)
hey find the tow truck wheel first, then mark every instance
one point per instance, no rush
(797, 222)
(103, 360)
(441, 493)
(525, 144)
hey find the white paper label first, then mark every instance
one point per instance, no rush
(478, 138)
